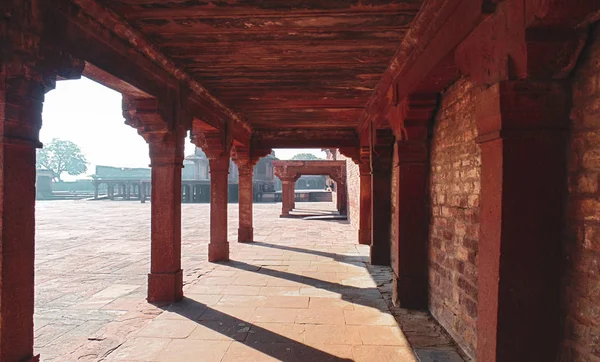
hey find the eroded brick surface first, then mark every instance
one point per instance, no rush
(454, 227)
(581, 281)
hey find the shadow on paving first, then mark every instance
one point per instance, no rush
(320, 211)
(426, 339)
(346, 259)
(263, 340)
(368, 297)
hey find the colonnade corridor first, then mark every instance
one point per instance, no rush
(303, 291)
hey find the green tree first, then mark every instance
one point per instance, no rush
(305, 157)
(61, 156)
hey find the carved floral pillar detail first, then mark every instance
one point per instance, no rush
(217, 147)
(163, 126)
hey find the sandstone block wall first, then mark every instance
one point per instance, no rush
(581, 277)
(454, 226)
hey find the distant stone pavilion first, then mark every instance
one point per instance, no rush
(135, 183)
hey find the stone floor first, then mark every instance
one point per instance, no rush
(302, 292)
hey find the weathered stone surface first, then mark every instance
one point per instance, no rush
(454, 225)
(581, 243)
(100, 312)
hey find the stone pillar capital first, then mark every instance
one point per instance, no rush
(246, 156)
(215, 143)
(245, 169)
(163, 130)
(219, 164)
(287, 179)
(518, 108)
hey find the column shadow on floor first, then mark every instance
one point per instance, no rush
(368, 297)
(263, 340)
(351, 260)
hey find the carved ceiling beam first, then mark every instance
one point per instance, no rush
(544, 45)
(304, 138)
(521, 39)
(438, 29)
(97, 35)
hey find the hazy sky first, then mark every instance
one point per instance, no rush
(89, 114)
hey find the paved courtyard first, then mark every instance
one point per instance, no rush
(301, 292)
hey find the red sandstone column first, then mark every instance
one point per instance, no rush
(522, 127)
(285, 196)
(218, 248)
(293, 193)
(165, 281)
(245, 230)
(410, 287)
(381, 163)
(21, 101)
(364, 231)
(342, 204)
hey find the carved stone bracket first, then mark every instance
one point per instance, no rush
(26, 74)
(247, 157)
(410, 118)
(161, 127)
(545, 44)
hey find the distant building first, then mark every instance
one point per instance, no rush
(127, 183)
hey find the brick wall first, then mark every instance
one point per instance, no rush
(454, 227)
(581, 280)
(353, 182)
(394, 212)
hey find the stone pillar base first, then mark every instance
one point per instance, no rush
(364, 237)
(245, 234)
(380, 255)
(218, 251)
(165, 287)
(410, 293)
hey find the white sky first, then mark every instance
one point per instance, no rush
(89, 114)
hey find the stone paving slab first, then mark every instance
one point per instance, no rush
(304, 292)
